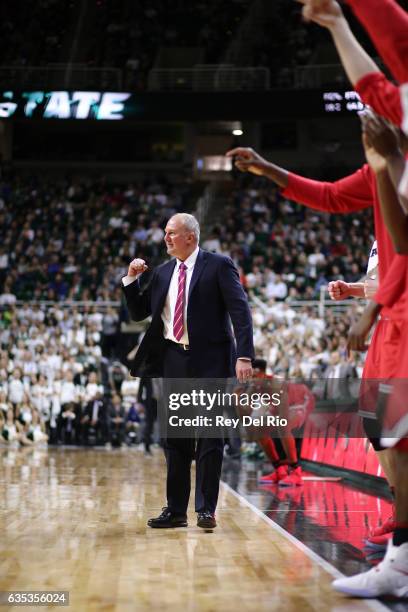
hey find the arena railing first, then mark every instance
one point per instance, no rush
(316, 76)
(102, 305)
(220, 77)
(320, 305)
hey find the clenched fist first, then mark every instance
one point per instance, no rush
(338, 290)
(137, 266)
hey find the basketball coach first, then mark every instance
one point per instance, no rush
(192, 299)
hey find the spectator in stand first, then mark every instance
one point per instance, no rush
(69, 424)
(41, 393)
(129, 390)
(94, 421)
(116, 421)
(117, 374)
(93, 388)
(110, 323)
(337, 377)
(4, 405)
(13, 431)
(276, 288)
(36, 430)
(16, 390)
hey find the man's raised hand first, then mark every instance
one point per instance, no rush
(248, 160)
(136, 267)
(326, 13)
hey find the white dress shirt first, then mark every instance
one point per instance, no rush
(171, 299)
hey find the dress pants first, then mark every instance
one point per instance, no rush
(180, 452)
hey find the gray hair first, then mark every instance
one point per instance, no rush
(190, 223)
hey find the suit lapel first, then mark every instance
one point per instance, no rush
(200, 264)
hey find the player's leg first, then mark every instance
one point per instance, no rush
(390, 577)
(296, 415)
(381, 362)
(381, 534)
(296, 419)
(280, 465)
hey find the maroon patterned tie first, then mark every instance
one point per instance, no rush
(178, 321)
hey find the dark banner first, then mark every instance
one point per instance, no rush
(118, 106)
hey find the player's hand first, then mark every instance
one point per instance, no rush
(381, 135)
(248, 160)
(137, 266)
(243, 370)
(360, 329)
(338, 290)
(326, 13)
(377, 162)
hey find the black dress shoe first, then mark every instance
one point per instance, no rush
(206, 520)
(168, 520)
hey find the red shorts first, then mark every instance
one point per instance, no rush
(381, 363)
(402, 445)
(395, 418)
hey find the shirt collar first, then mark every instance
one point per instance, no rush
(191, 259)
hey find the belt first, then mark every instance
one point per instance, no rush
(179, 345)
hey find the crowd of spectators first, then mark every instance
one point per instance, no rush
(286, 254)
(61, 381)
(69, 240)
(286, 251)
(61, 376)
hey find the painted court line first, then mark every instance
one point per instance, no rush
(376, 606)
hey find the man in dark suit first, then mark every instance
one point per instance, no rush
(192, 300)
(94, 420)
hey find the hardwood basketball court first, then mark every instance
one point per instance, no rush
(75, 520)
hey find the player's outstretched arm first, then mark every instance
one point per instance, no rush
(248, 160)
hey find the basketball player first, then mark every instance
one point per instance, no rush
(340, 290)
(388, 25)
(296, 405)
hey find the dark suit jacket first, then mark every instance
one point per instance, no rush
(88, 411)
(113, 413)
(216, 297)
